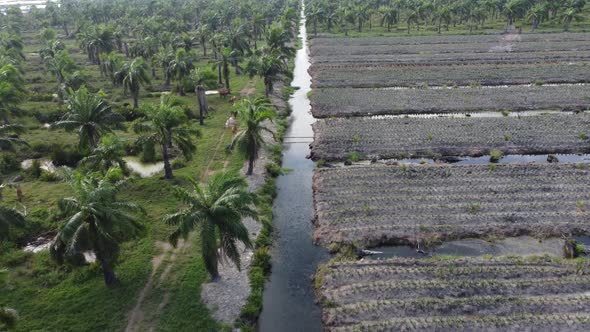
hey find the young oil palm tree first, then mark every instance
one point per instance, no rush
(96, 220)
(249, 140)
(217, 210)
(108, 153)
(90, 116)
(165, 125)
(133, 75)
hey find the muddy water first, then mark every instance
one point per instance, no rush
(288, 299)
(484, 160)
(519, 246)
(145, 170)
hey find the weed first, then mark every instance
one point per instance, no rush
(496, 155)
(474, 208)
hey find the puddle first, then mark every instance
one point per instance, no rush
(145, 170)
(39, 244)
(45, 165)
(515, 114)
(521, 246)
(483, 160)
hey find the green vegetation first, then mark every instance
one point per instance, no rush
(375, 18)
(99, 74)
(249, 140)
(218, 209)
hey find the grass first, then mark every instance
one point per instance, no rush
(64, 298)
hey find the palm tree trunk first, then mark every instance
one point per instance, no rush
(109, 275)
(202, 101)
(226, 76)
(251, 164)
(135, 100)
(166, 157)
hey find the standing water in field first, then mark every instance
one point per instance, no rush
(288, 299)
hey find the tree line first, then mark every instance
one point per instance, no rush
(346, 15)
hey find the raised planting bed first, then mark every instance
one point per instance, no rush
(400, 137)
(456, 58)
(369, 76)
(318, 49)
(449, 39)
(456, 294)
(344, 102)
(368, 206)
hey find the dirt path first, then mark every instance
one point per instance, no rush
(248, 90)
(137, 319)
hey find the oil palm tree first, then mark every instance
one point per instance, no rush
(249, 140)
(224, 59)
(388, 16)
(133, 75)
(315, 16)
(96, 40)
(202, 79)
(108, 153)
(570, 14)
(180, 67)
(12, 90)
(90, 116)
(268, 65)
(165, 125)
(95, 220)
(203, 35)
(217, 210)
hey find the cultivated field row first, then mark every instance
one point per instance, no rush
(448, 39)
(502, 47)
(448, 59)
(400, 138)
(343, 102)
(369, 76)
(379, 204)
(468, 294)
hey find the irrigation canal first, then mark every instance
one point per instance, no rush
(288, 299)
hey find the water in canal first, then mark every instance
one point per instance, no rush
(289, 300)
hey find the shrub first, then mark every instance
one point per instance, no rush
(148, 153)
(8, 163)
(178, 163)
(496, 155)
(65, 156)
(353, 157)
(48, 177)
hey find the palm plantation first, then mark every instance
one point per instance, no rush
(95, 220)
(165, 125)
(217, 210)
(252, 114)
(90, 116)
